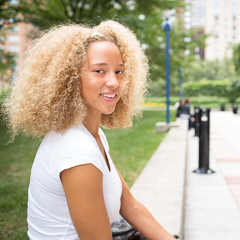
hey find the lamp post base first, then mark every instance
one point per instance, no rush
(204, 171)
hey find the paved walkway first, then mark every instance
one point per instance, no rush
(160, 186)
(212, 205)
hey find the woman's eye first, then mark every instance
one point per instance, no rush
(119, 72)
(99, 71)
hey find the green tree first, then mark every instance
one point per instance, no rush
(236, 58)
(143, 17)
(8, 17)
(210, 70)
(234, 89)
(182, 54)
(45, 13)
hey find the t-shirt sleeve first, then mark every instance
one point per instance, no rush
(74, 152)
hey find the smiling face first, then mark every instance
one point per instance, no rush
(102, 83)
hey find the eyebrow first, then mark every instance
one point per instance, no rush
(104, 64)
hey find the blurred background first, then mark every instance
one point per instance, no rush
(204, 40)
(204, 67)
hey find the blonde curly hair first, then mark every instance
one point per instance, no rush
(46, 94)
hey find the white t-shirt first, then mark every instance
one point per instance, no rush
(48, 215)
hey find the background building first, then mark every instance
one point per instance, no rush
(218, 18)
(18, 39)
(222, 18)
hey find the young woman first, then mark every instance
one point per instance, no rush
(73, 80)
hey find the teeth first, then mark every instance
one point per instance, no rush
(108, 95)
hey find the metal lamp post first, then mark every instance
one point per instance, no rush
(180, 92)
(166, 28)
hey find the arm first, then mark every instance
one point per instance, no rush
(84, 193)
(139, 216)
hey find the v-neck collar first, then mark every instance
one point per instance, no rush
(106, 153)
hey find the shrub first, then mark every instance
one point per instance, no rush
(219, 88)
(234, 89)
(236, 58)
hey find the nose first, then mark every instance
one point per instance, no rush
(112, 81)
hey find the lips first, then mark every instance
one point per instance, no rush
(108, 97)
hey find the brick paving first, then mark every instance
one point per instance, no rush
(212, 202)
(225, 147)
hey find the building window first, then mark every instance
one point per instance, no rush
(14, 2)
(216, 18)
(216, 9)
(14, 39)
(14, 29)
(234, 9)
(216, 35)
(14, 48)
(234, 36)
(234, 18)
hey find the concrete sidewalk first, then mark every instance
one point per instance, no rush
(160, 186)
(212, 202)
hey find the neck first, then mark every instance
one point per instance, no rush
(92, 123)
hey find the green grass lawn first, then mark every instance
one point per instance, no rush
(130, 150)
(201, 101)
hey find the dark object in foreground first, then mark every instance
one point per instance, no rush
(204, 142)
(197, 120)
(122, 230)
(235, 108)
(222, 108)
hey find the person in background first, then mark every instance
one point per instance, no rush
(180, 108)
(183, 111)
(73, 80)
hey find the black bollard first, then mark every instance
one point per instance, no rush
(235, 108)
(222, 108)
(197, 120)
(204, 143)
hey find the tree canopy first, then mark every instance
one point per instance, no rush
(209, 70)
(45, 13)
(145, 18)
(236, 58)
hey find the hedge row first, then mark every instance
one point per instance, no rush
(219, 88)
